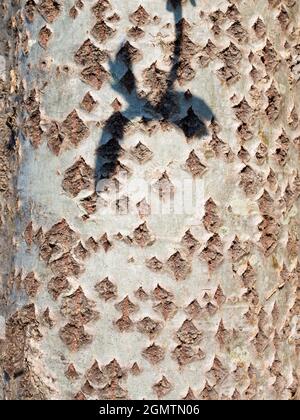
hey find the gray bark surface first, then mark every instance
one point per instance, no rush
(149, 199)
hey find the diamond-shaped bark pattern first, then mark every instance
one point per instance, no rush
(44, 36)
(106, 289)
(142, 153)
(154, 354)
(142, 236)
(78, 177)
(191, 125)
(94, 75)
(194, 165)
(78, 308)
(100, 8)
(140, 295)
(74, 128)
(212, 253)
(102, 32)
(179, 267)
(140, 16)
(50, 9)
(88, 53)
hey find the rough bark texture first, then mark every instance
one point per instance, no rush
(110, 298)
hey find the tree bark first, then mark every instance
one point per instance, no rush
(149, 199)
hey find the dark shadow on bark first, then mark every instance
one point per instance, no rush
(183, 111)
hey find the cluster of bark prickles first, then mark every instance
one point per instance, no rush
(238, 325)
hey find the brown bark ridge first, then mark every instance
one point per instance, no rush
(17, 382)
(107, 291)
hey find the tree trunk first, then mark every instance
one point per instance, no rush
(149, 187)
